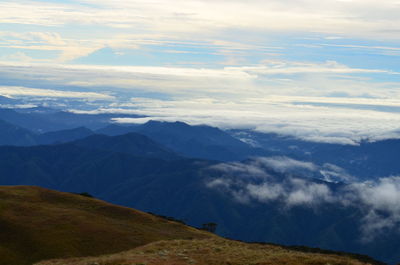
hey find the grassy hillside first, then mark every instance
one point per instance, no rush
(38, 224)
(215, 251)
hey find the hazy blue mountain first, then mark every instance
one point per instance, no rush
(279, 143)
(8, 101)
(368, 160)
(71, 167)
(131, 143)
(42, 119)
(181, 188)
(31, 121)
(91, 121)
(117, 129)
(38, 109)
(200, 141)
(11, 134)
(64, 136)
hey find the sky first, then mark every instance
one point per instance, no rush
(324, 70)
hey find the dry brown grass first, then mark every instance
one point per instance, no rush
(215, 251)
(37, 224)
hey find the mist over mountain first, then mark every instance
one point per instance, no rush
(366, 160)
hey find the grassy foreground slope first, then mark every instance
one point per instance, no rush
(38, 224)
(213, 251)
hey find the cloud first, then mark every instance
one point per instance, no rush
(68, 49)
(236, 97)
(258, 180)
(241, 169)
(250, 182)
(330, 67)
(184, 26)
(286, 164)
(344, 125)
(378, 49)
(13, 91)
(17, 57)
(382, 201)
(360, 18)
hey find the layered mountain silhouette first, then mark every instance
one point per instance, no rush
(192, 141)
(63, 136)
(130, 143)
(41, 120)
(11, 134)
(169, 169)
(180, 188)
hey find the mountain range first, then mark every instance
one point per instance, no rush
(121, 171)
(255, 186)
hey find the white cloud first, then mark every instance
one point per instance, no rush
(351, 18)
(69, 49)
(313, 123)
(382, 200)
(14, 91)
(286, 164)
(254, 180)
(239, 97)
(306, 193)
(17, 57)
(209, 24)
(329, 67)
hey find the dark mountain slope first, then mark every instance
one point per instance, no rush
(181, 188)
(116, 129)
(11, 134)
(64, 136)
(70, 167)
(203, 142)
(32, 121)
(131, 143)
(38, 224)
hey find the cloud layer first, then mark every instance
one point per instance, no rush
(365, 18)
(325, 71)
(312, 108)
